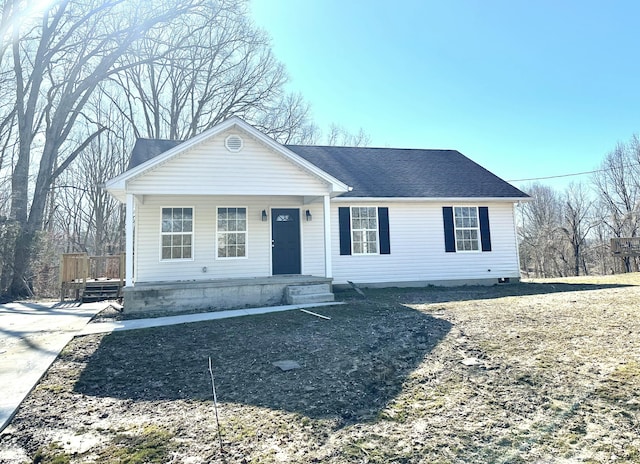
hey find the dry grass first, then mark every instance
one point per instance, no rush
(554, 377)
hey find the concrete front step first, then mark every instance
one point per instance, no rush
(313, 293)
(309, 289)
(313, 298)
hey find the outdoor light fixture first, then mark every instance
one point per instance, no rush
(308, 215)
(264, 215)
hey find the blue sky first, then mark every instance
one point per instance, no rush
(527, 89)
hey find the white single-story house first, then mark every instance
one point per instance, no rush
(232, 218)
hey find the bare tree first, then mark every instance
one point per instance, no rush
(541, 247)
(338, 135)
(289, 122)
(57, 63)
(617, 184)
(577, 222)
(211, 65)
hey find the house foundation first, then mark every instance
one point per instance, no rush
(215, 295)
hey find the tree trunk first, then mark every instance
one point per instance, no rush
(20, 283)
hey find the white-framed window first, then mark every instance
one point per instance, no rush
(176, 234)
(467, 228)
(364, 230)
(232, 232)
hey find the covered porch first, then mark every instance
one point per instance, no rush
(229, 218)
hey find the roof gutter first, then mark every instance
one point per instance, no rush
(434, 199)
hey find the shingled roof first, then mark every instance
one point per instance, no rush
(394, 172)
(384, 172)
(146, 149)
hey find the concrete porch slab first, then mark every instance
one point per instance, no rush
(213, 295)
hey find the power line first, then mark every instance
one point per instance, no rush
(559, 176)
(576, 173)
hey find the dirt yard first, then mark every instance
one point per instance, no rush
(533, 372)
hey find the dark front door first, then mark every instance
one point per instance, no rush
(285, 235)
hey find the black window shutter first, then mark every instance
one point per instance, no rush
(344, 220)
(383, 231)
(485, 233)
(449, 233)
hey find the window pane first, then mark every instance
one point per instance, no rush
(176, 239)
(364, 227)
(241, 251)
(466, 228)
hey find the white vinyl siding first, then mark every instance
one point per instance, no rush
(176, 231)
(258, 250)
(210, 169)
(232, 232)
(364, 230)
(416, 231)
(467, 228)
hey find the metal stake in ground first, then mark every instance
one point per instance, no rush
(215, 404)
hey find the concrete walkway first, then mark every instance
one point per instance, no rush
(107, 327)
(32, 335)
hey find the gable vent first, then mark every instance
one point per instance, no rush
(233, 143)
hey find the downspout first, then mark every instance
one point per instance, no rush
(515, 231)
(129, 240)
(328, 265)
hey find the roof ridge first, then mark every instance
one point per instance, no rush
(370, 148)
(159, 140)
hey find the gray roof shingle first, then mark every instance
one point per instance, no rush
(384, 172)
(395, 172)
(146, 149)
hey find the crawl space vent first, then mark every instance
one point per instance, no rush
(233, 143)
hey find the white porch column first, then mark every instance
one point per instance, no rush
(129, 240)
(328, 266)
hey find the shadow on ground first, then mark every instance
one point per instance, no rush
(433, 294)
(350, 366)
